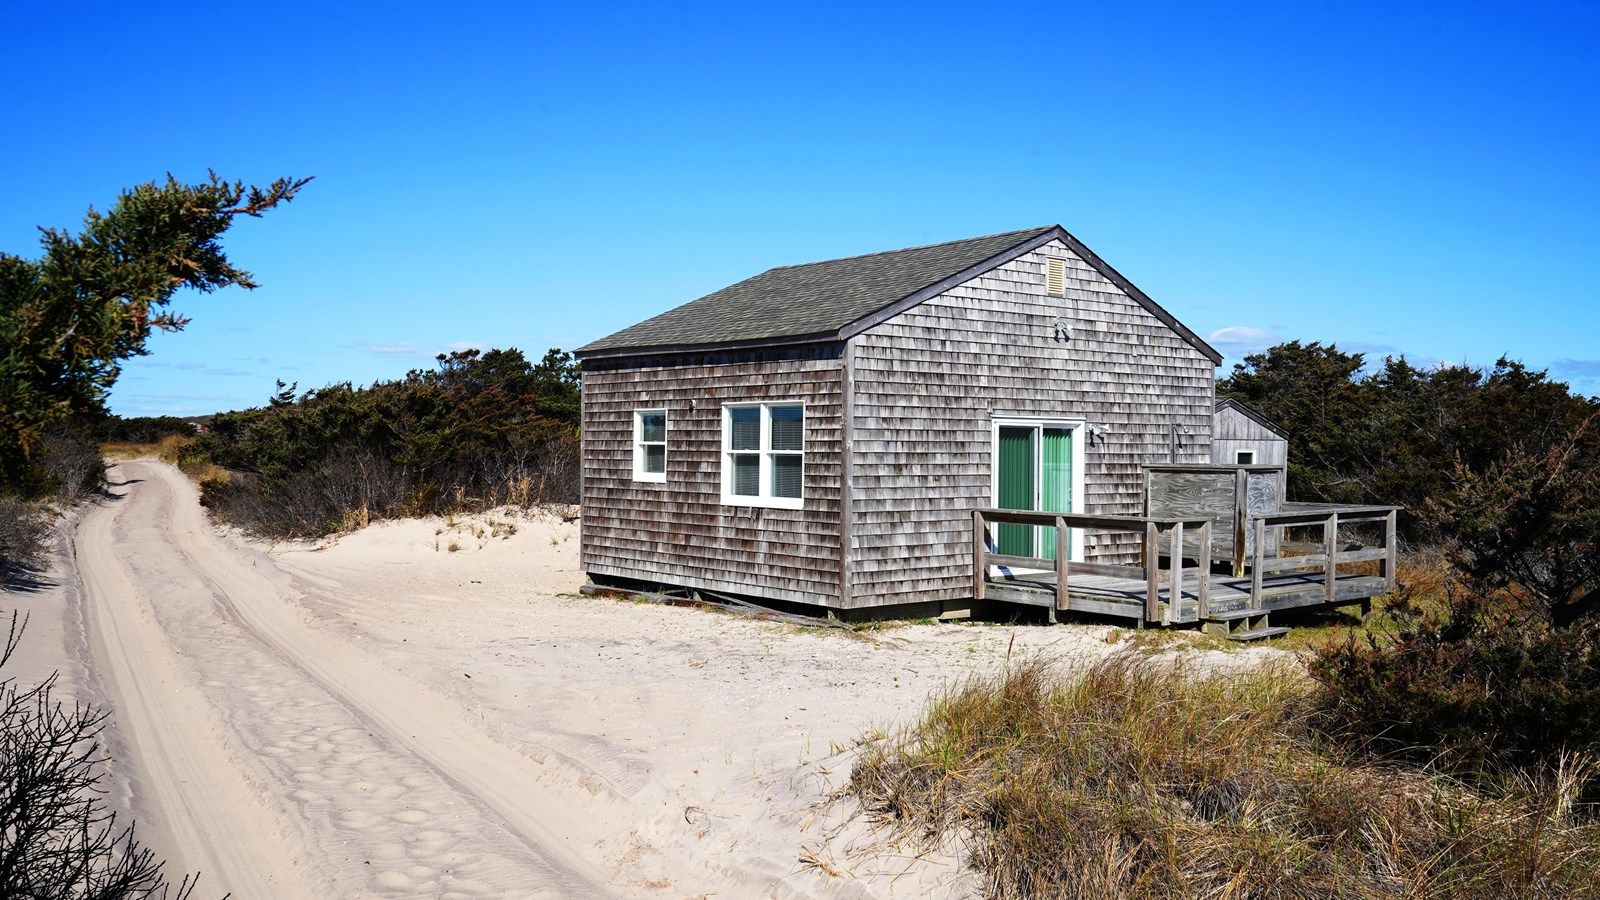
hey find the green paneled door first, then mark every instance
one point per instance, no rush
(1014, 480)
(1055, 469)
(1034, 472)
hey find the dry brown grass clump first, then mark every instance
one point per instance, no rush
(1135, 778)
(167, 449)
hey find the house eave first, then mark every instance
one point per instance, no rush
(803, 340)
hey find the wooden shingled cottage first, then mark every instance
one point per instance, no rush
(919, 429)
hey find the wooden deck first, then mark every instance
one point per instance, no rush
(1175, 584)
(1230, 597)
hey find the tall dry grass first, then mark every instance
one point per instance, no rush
(1137, 778)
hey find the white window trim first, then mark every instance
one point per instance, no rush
(1079, 433)
(639, 474)
(764, 480)
(1244, 462)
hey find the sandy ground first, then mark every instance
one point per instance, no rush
(386, 716)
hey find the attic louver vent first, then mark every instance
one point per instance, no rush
(1055, 278)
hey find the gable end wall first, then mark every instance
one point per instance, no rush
(1234, 431)
(929, 382)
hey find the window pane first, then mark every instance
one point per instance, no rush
(653, 426)
(786, 472)
(746, 481)
(744, 428)
(655, 458)
(786, 427)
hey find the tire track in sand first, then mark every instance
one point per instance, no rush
(216, 823)
(245, 842)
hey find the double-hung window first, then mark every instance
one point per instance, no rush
(649, 445)
(763, 454)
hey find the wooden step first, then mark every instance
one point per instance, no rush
(1257, 634)
(1227, 615)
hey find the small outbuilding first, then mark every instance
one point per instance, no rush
(1242, 436)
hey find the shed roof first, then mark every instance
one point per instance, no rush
(1230, 403)
(838, 298)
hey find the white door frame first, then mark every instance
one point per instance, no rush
(1079, 430)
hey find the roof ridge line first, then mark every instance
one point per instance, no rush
(981, 237)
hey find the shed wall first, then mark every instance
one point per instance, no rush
(1233, 431)
(678, 531)
(928, 384)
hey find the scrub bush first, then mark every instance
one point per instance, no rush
(57, 840)
(1479, 692)
(482, 430)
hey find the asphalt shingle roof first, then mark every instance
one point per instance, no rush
(811, 300)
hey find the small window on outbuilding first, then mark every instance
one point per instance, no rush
(650, 445)
(1245, 457)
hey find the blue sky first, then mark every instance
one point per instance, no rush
(1415, 178)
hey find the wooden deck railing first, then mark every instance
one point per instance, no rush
(1330, 516)
(1150, 530)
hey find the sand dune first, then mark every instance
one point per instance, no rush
(386, 716)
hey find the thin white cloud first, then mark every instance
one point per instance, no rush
(391, 348)
(459, 346)
(1240, 339)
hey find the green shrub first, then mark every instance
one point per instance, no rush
(1475, 692)
(480, 431)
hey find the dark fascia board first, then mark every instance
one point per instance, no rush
(1247, 412)
(673, 349)
(1033, 243)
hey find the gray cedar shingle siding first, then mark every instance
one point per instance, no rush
(929, 382)
(936, 348)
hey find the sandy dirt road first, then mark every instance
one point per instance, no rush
(427, 708)
(268, 749)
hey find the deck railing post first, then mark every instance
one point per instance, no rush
(1241, 519)
(1259, 559)
(1389, 523)
(1203, 573)
(1330, 540)
(1152, 572)
(1175, 600)
(979, 567)
(1061, 563)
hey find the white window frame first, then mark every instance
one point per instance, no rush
(639, 443)
(763, 497)
(1080, 433)
(1238, 459)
